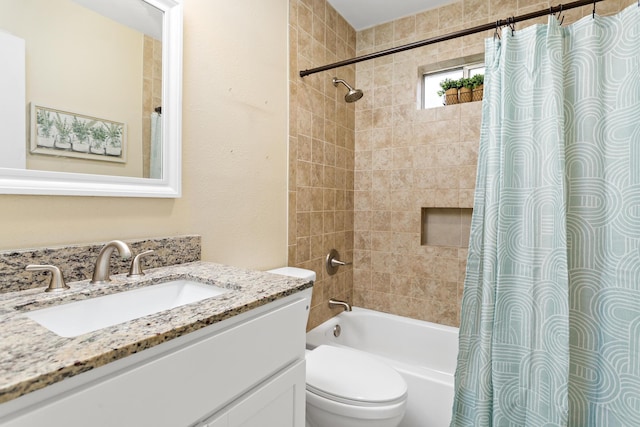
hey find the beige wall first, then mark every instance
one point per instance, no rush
(80, 62)
(234, 151)
(321, 151)
(407, 159)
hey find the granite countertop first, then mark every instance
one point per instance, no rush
(32, 357)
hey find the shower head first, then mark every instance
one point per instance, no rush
(353, 95)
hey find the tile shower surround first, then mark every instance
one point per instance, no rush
(405, 159)
(77, 261)
(321, 151)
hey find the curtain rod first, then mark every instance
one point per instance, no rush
(486, 27)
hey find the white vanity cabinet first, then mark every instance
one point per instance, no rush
(248, 371)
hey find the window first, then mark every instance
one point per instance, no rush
(431, 86)
(432, 76)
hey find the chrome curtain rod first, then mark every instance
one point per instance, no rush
(486, 27)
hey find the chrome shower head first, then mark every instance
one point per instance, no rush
(353, 95)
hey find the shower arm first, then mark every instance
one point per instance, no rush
(337, 80)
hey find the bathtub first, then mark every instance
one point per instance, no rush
(423, 353)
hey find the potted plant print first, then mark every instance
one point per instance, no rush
(63, 139)
(449, 88)
(114, 139)
(45, 128)
(98, 139)
(81, 130)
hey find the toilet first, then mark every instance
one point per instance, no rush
(349, 388)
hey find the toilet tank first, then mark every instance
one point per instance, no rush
(299, 273)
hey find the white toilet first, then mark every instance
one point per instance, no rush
(349, 388)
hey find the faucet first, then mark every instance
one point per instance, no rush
(336, 302)
(101, 270)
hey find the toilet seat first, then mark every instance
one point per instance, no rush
(353, 378)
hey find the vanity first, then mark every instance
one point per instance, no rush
(234, 359)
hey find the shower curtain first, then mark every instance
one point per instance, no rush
(155, 162)
(550, 325)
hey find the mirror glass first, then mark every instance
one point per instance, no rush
(97, 85)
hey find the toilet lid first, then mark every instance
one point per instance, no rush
(346, 374)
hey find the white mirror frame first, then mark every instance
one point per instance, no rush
(21, 181)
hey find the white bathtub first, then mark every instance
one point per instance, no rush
(423, 353)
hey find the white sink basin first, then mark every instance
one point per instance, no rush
(80, 317)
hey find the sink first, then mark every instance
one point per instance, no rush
(80, 317)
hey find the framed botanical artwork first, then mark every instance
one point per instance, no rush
(64, 134)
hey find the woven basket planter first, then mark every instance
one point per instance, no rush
(477, 93)
(465, 94)
(451, 96)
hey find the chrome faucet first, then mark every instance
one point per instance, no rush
(336, 302)
(101, 270)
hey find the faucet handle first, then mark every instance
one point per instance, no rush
(57, 280)
(332, 262)
(136, 266)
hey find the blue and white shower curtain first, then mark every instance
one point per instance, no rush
(550, 325)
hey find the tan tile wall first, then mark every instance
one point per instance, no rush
(407, 159)
(371, 166)
(321, 153)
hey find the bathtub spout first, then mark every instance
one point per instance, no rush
(335, 302)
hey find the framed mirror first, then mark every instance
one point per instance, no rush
(93, 99)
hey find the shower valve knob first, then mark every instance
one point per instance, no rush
(332, 262)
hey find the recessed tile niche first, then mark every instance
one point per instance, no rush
(445, 227)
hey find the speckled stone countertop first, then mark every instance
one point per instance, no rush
(32, 357)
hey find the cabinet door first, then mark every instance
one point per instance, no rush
(279, 402)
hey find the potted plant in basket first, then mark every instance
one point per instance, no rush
(449, 88)
(478, 87)
(465, 92)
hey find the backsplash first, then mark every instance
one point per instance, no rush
(77, 261)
